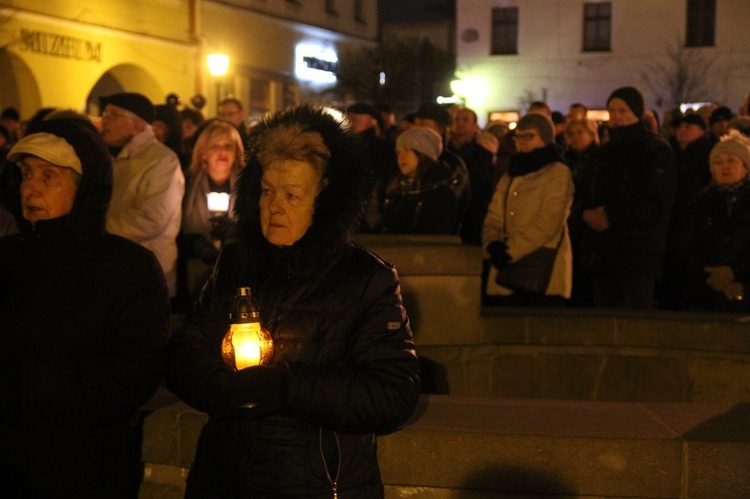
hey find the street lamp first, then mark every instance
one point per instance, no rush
(217, 66)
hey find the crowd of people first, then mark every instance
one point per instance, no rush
(617, 224)
(108, 226)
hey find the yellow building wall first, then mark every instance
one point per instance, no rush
(56, 62)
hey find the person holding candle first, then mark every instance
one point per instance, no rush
(344, 367)
(84, 318)
(206, 207)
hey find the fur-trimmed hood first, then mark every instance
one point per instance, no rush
(339, 208)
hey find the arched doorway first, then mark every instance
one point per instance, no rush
(124, 78)
(14, 76)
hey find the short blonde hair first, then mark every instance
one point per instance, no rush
(293, 142)
(216, 128)
(585, 124)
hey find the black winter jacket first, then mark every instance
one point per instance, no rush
(84, 319)
(633, 177)
(715, 232)
(432, 207)
(335, 313)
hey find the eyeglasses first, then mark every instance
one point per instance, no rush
(109, 113)
(524, 136)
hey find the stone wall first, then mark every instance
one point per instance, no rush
(576, 354)
(613, 421)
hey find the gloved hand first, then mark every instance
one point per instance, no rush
(260, 390)
(735, 291)
(221, 227)
(719, 277)
(217, 394)
(204, 250)
(499, 256)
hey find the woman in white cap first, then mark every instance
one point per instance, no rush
(714, 248)
(422, 198)
(526, 222)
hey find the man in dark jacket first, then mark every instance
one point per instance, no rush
(625, 203)
(84, 319)
(691, 146)
(343, 368)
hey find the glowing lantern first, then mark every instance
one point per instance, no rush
(247, 343)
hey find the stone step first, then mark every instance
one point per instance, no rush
(461, 447)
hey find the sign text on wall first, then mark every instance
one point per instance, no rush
(42, 42)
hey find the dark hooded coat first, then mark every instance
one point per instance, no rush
(334, 310)
(83, 331)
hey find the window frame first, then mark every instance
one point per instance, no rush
(700, 23)
(597, 20)
(510, 47)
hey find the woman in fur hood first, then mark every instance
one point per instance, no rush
(344, 367)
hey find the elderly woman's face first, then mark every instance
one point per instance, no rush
(47, 190)
(219, 154)
(287, 201)
(728, 168)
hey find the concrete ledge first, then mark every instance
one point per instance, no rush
(458, 447)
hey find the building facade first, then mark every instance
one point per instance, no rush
(69, 53)
(511, 52)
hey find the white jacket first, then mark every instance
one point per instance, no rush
(538, 205)
(146, 205)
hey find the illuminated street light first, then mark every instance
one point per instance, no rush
(218, 64)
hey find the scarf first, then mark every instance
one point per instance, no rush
(523, 163)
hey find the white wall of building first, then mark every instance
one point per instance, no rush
(550, 64)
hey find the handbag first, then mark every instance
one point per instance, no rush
(530, 273)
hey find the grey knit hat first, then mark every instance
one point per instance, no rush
(735, 143)
(421, 139)
(542, 123)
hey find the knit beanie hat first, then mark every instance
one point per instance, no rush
(421, 139)
(435, 112)
(137, 104)
(542, 123)
(632, 98)
(735, 143)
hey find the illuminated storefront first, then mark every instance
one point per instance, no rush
(68, 54)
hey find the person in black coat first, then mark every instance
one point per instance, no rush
(713, 250)
(343, 368)
(625, 201)
(85, 321)
(422, 198)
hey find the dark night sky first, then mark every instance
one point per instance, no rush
(395, 11)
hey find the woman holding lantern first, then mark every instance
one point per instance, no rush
(218, 157)
(343, 367)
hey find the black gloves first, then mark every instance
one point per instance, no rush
(221, 228)
(204, 250)
(217, 394)
(499, 256)
(260, 390)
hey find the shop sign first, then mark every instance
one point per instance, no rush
(68, 47)
(316, 63)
